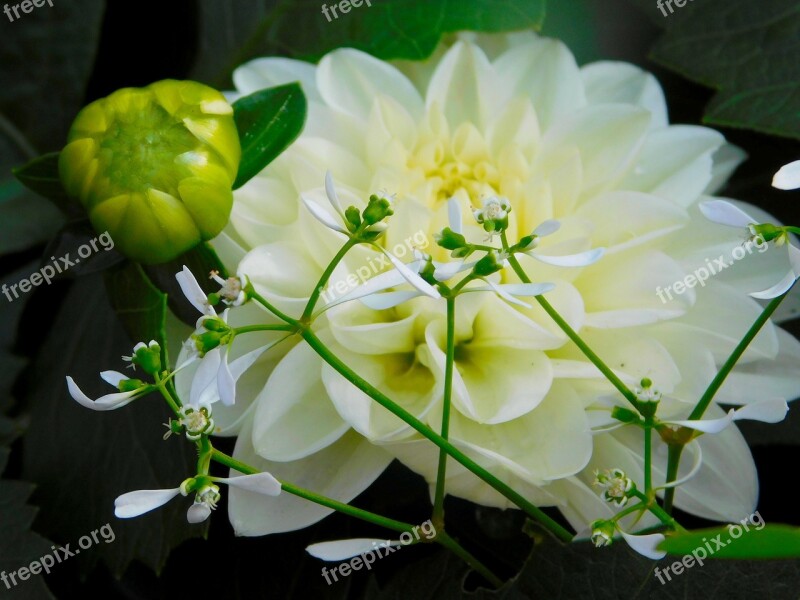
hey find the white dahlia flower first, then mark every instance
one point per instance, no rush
(513, 117)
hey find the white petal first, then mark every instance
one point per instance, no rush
(198, 512)
(570, 260)
(137, 503)
(444, 271)
(294, 417)
(412, 278)
(776, 290)
(547, 227)
(193, 292)
(766, 411)
(341, 550)
(454, 215)
(205, 377)
(788, 177)
(226, 384)
(323, 216)
(113, 377)
(706, 425)
(260, 483)
(107, 402)
(725, 213)
(646, 545)
(256, 514)
(696, 464)
(612, 81)
(330, 190)
(389, 299)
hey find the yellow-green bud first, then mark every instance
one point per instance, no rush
(154, 167)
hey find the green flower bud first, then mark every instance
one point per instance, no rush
(353, 217)
(154, 167)
(377, 210)
(449, 239)
(768, 232)
(491, 263)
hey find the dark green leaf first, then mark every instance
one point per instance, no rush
(19, 546)
(770, 541)
(82, 460)
(41, 176)
(200, 260)
(11, 364)
(746, 50)
(268, 122)
(233, 32)
(25, 218)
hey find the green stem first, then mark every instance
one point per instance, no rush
(326, 275)
(507, 491)
(571, 333)
(674, 452)
(266, 304)
(358, 513)
(648, 455)
(364, 515)
(659, 512)
(438, 503)
(274, 327)
(717, 382)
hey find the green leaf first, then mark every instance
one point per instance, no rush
(81, 460)
(232, 33)
(770, 541)
(41, 176)
(201, 260)
(746, 50)
(268, 122)
(140, 306)
(11, 364)
(25, 219)
(19, 546)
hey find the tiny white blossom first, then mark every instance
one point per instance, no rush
(615, 484)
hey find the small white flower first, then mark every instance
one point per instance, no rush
(196, 421)
(646, 392)
(109, 401)
(615, 486)
(232, 289)
(788, 177)
(134, 504)
(494, 214)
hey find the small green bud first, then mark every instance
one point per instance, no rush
(146, 356)
(768, 232)
(353, 217)
(491, 263)
(129, 385)
(377, 210)
(154, 167)
(449, 239)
